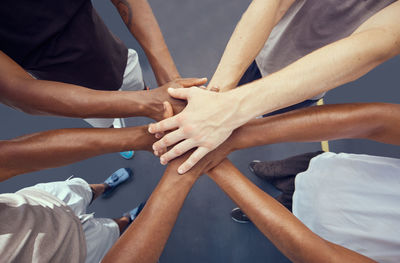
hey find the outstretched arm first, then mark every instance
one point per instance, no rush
(247, 40)
(145, 239)
(60, 147)
(377, 40)
(140, 20)
(19, 90)
(374, 121)
(281, 227)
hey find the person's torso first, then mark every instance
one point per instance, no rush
(62, 41)
(37, 227)
(354, 201)
(312, 24)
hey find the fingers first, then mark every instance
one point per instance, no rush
(188, 82)
(168, 140)
(164, 125)
(180, 93)
(176, 151)
(193, 159)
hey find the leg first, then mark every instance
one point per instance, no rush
(98, 189)
(122, 222)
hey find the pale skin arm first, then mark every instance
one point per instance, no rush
(247, 40)
(140, 20)
(40, 97)
(376, 41)
(281, 227)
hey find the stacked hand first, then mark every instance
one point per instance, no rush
(206, 122)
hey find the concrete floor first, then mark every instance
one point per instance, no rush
(196, 33)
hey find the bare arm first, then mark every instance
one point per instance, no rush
(377, 40)
(140, 20)
(145, 239)
(60, 147)
(374, 121)
(247, 40)
(19, 90)
(280, 226)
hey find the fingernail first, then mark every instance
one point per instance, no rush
(180, 171)
(170, 89)
(155, 147)
(156, 153)
(150, 128)
(158, 136)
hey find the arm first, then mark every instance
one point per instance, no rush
(19, 90)
(140, 20)
(377, 40)
(374, 121)
(60, 147)
(282, 228)
(145, 239)
(247, 40)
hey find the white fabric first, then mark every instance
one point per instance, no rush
(100, 233)
(353, 201)
(35, 226)
(132, 81)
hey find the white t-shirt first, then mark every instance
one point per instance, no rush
(353, 201)
(311, 24)
(37, 227)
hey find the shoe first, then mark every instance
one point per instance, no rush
(117, 178)
(127, 155)
(252, 164)
(134, 212)
(239, 217)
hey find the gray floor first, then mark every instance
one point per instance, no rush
(196, 32)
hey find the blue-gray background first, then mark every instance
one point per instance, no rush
(196, 33)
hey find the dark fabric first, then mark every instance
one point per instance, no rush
(253, 73)
(282, 174)
(63, 40)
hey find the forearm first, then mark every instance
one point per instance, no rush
(60, 147)
(19, 90)
(140, 20)
(326, 68)
(374, 121)
(249, 37)
(145, 239)
(281, 227)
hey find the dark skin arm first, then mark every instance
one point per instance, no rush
(140, 20)
(146, 237)
(374, 121)
(288, 234)
(19, 90)
(60, 147)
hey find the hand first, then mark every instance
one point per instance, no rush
(206, 122)
(160, 95)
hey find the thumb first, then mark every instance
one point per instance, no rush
(188, 82)
(168, 111)
(180, 93)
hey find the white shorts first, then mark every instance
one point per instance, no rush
(133, 81)
(100, 233)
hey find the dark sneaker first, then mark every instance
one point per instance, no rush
(134, 212)
(252, 164)
(238, 216)
(118, 177)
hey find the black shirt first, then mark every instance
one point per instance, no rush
(62, 40)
